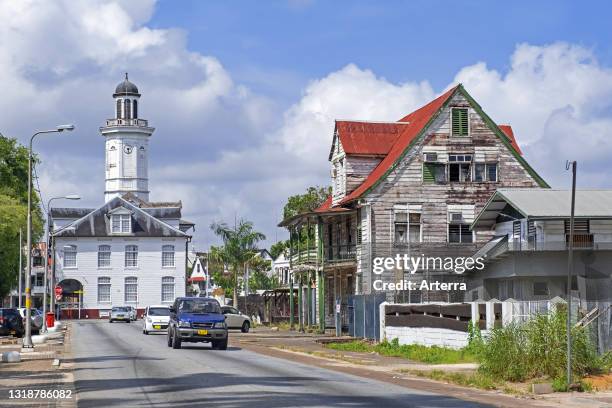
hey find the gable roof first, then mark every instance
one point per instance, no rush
(418, 122)
(367, 138)
(546, 203)
(507, 129)
(97, 223)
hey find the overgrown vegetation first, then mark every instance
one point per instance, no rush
(537, 348)
(415, 352)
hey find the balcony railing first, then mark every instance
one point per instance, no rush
(340, 253)
(305, 255)
(127, 122)
(581, 241)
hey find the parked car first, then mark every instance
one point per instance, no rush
(235, 319)
(11, 322)
(132, 312)
(36, 317)
(119, 314)
(156, 319)
(197, 319)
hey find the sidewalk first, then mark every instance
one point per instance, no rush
(37, 375)
(309, 349)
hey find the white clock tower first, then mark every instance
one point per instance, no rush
(127, 146)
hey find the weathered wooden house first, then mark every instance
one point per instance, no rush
(408, 187)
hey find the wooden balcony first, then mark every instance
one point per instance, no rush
(340, 253)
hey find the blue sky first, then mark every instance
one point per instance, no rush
(244, 94)
(399, 40)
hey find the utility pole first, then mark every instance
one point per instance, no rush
(19, 285)
(570, 272)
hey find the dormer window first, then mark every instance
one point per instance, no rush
(121, 223)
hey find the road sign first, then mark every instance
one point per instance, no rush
(58, 291)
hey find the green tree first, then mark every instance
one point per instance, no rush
(258, 274)
(13, 209)
(278, 248)
(309, 201)
(239, 246)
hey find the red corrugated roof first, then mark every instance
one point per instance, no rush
(373, 138)
(416, 121)
(507, 129)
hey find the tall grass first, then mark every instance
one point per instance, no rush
(538, 348)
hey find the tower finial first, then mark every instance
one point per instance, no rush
(126, 76)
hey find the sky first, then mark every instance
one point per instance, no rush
(243, 94)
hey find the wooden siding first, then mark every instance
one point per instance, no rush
(404, 185)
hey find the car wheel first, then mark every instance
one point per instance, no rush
(145, 332)
(110, 320)
(176, 341)
(169, 338)
(245, 326)
(219, 345)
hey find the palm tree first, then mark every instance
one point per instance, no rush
(239, 246)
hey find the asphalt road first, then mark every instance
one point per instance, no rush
(116, 365)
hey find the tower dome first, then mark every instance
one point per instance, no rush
(126, 88)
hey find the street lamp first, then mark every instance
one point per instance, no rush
(47, 241)
(27, 339)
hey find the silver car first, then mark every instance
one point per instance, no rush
(132, 311)
(119, 314)
(36, 318)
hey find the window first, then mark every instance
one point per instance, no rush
(121, 223)
(167, 289)
(407, 226)
(168, 256)
(131, 289)
(540, 288)
(104, 256)
(118, 108)
(459, 167)
(127, 109)
(459, 233)
(70, 256)
(131, 256)
(135, 109)
(434, 173)
(485, 172)
(460, 125)
(401, 227)
(104, 289)
(414, 227)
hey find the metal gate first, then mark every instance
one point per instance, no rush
(364, 315)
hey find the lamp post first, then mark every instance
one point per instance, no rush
(27, 339)
(570, 272)
(47, 241)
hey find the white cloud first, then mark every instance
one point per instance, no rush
(225, 150)
(558, 99)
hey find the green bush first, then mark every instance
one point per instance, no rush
(538, 348)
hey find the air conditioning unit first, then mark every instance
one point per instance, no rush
(431, 157)
(456, 217)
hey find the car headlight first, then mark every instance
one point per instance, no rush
(219, 325)
(184, 324)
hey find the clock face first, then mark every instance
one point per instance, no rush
(128, 149)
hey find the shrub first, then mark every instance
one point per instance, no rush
(538, 348)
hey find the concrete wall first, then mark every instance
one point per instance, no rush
(427, 336)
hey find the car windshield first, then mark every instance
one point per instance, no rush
(159, 311)
(119, 309)
(199, 306)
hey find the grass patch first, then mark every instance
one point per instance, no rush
(414, 352)
(475, 379)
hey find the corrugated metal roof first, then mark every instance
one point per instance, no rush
(368, 138)
(556, 203)
(547, 203)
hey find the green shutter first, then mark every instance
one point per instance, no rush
(429, 173)
(459, 122)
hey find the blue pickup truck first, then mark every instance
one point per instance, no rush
(197, 319)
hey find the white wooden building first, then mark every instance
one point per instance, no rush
(129, 251)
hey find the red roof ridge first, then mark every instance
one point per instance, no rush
(418, 120)
(373, 121)
(507, 129)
